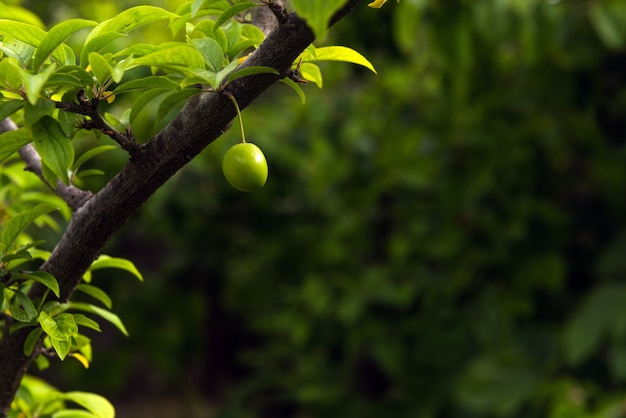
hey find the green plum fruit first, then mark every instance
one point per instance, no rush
(245, 167)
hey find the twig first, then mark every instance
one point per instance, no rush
(89, 108)
(73, 196)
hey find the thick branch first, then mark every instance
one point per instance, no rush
(268, 17)
(73, 196)
(205, 117)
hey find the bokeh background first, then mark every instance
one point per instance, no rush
(444, 239)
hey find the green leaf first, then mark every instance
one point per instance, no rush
(19, 255)
(68, 122)
(608, 19)
(180, 56)
(42, 362)
(12, 141)
(317, 13)
(104, 261)
(101, 312)
(32, 113)
(27, 313)
(96, 404)
(338, 53)
(206, 28)
(100, 67)
(21, 14)
(211, 52)
(21, 51)
(196, 5)
(62, 347)
(240, 47)
(60, 327)
(148, 83)
(142, 101)
(296, 87)
(120, 25)
(96, 293)
(232, 11)
(593, 320)
(311, 72)
(95, 44)
(11, 74)
(257, 69)
(84, 321)
(55, 149)
(73, 413)
(8, 107)
(172, 101)
(221, 75)
(33, 83)
(134, 18)
(56, 36)
(31, 340)
(20, 221)
(89, 154)
(21, 31)
(44, 278)
(70, 76)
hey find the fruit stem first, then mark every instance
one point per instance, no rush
(243, 135)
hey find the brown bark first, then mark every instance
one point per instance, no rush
(204, 118)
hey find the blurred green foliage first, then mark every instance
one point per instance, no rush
(445, 239)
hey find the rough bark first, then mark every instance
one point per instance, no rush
(204, 118)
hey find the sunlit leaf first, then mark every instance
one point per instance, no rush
(100, 67)
(317, 13)
(96, 404)
(84, 321)
(338, 53)
(101, 312)
(96, 293)
(81, 359)
(377, 4)
(104, 261)
(56, 36)
(21, 31)
(62, 347)
(59, 327)
(311, 72)
(11, 74)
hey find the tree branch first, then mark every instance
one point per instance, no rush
(203, 119)
(268, 17)
(73, 196)
(89, 108)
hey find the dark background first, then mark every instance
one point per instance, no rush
(444, 239)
